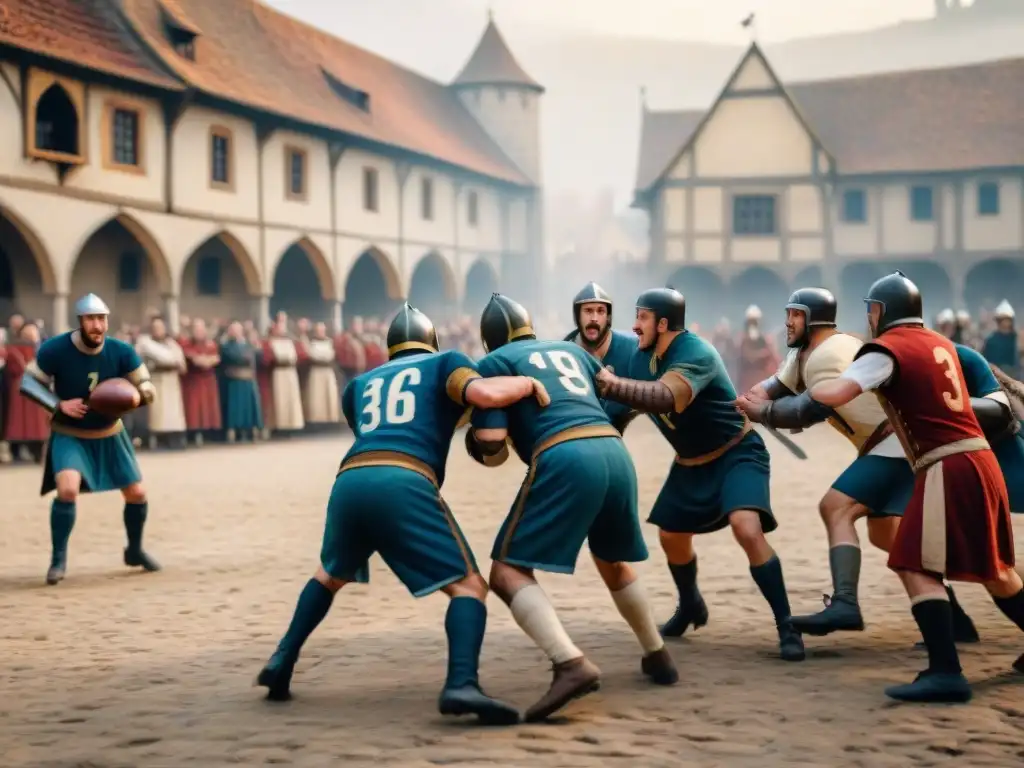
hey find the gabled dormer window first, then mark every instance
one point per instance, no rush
(358, 98)
(180, 31)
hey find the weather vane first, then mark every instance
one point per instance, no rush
(750, 23)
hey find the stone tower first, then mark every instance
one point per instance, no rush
(504, 100)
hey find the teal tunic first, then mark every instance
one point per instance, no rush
(240, 394)
(386, 497)
(1001, 349)
(581, 484)
(96, 446)
(719, 469)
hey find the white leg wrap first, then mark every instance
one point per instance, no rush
(536, 616)
(632, 604)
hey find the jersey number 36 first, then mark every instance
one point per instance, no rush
(399, 404)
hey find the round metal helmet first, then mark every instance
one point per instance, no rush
(504, 320)
(945, 316)
(900, 301)
(411, 330)
(592, 293)
(665, 302)
(91, 304)
(819, 308)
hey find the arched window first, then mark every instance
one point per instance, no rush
(56, 122)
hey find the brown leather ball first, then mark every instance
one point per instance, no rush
(114, 397)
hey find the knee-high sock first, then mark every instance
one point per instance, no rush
(62, 521)
(634, 608)
(134, 521)
(768, 577)
(536, 616)
(314, 603)
(935, 620)
(464, 624)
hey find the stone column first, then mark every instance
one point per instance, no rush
(171, 312)
(263, 313)
(338, 315)
(957, 282)
(59, 321)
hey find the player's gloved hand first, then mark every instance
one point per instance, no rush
(540, 392)
(76, 408)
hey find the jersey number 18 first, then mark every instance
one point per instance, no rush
(399, 404)
(572, 378)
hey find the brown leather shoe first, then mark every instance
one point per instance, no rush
(572, 679)
(660, 668)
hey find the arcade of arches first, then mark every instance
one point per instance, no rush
(709, 298)
(432, 289)
(303, 285)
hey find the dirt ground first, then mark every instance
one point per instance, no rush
(121, 669)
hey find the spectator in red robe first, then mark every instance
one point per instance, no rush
(757, 358)
(26, 424)
(199, 389)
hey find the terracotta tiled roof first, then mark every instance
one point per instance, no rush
(83, 32)
(257, 57)
(661, 136)
(176, 16)
(492, 63)
(949, 119)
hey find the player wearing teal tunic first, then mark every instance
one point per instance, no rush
(88, 452)
(721, 471)
(386, 498)
(592, 312)
(581, 486)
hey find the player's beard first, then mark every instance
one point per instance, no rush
(602, 334)
(88, 340)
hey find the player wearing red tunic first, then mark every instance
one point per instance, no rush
(957, 523)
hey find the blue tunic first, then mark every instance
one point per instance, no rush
(720, 467)
(386, 496)
(581, 484)
(96, 446)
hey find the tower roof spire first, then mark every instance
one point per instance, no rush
(492, 63)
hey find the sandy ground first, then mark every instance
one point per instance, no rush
(121, 669)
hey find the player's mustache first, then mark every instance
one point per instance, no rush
(593, 326)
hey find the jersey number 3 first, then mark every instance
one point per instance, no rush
(572, 378)
(955, 401)
(399, 404)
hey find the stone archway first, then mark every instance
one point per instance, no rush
(989, 282)
(123, 264)
(220, 280)
(763, 288)
(704, 293)
(809, 277)
(303, 284)
(481, 282)
(373, 288)
(432, 288)
(27, 278)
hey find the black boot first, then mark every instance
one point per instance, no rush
(791, 644)
(943, 681)
(276, 677)
(839, 615)
(134, 521)
(691, 609)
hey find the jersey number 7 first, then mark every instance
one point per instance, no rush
(572, 378)
(399, 404)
